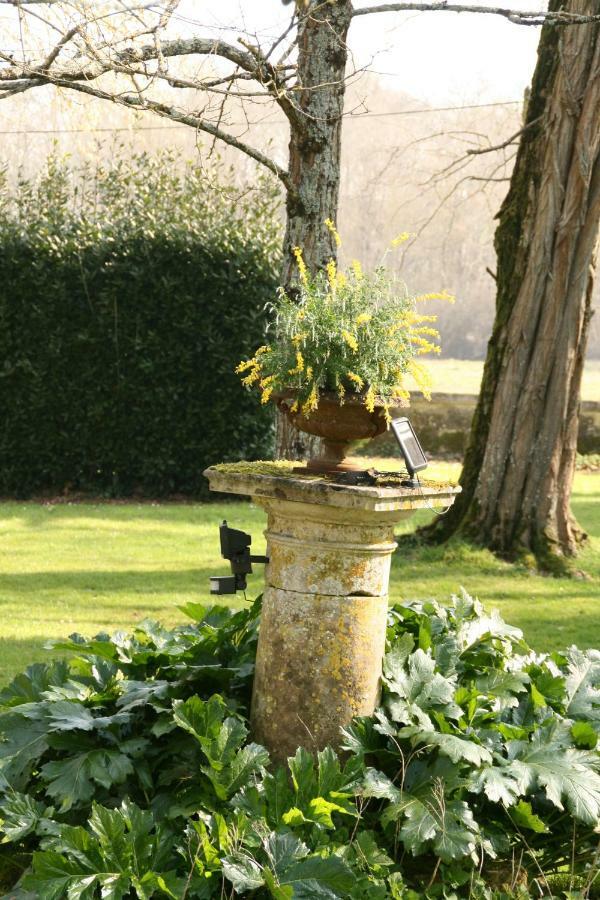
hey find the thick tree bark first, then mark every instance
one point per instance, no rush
(314, 157)
(519, 466)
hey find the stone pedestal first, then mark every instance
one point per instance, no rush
(323, 623)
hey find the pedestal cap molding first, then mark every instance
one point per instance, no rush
(319, 490)
(319, 513)
(383, 548)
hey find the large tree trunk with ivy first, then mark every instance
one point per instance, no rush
(520, 463)
(314, 154)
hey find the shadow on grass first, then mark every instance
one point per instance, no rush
(35, 513)
(130, 581)
(459, 561)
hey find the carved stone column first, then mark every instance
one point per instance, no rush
(323, 623)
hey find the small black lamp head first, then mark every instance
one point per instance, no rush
(235, 546)
(223, 584)
(234, 543)
(414, 457)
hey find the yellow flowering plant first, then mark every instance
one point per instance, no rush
(352, 333)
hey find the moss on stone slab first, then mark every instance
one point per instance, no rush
(259, 467)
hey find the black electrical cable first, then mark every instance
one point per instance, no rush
(427, 504)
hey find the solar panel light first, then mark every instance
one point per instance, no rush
(414, 458)
(235, 546)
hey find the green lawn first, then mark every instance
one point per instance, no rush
(463, 376)
(93, 566)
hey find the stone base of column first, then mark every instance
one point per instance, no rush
(317, 667)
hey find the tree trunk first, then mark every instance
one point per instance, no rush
(314, 158)
(520, 462)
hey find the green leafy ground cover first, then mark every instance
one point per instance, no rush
(128, 772)
(90, 567)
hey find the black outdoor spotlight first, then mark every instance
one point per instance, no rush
(412, 451)
(235, 546)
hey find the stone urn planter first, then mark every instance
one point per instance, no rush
(339, 425)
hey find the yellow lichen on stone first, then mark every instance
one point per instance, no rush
(318, 666)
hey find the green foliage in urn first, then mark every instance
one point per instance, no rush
(351, 332)
(128, 771)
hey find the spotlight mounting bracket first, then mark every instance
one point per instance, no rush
(235, 547)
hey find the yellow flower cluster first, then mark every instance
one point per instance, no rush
(330, 225)
(401, 393)
(299, 368)
(249, 364)
(416, 318)
(331, 274)
(350, 339)
(424, 329)
(363, 318)
(254, 375)
(358, 381)
(401, 238)
(357, 269)
(246, 364)
(424, 346)
(370, 399)
(266, 387)
(422, 378)
(312, 402)
(302, 270)
(406, 323)
(437, 295)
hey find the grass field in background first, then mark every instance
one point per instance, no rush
(105, 566)
(463, 376)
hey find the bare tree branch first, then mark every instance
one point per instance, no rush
(54, 53)
(253, 63)
(18, 87)
(486, 178)
(177, 115)
(477, 151)
(517, 17)
(141, 54)
(141, 103)
(178, 47)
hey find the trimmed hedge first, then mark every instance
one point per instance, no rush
(127, 296)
